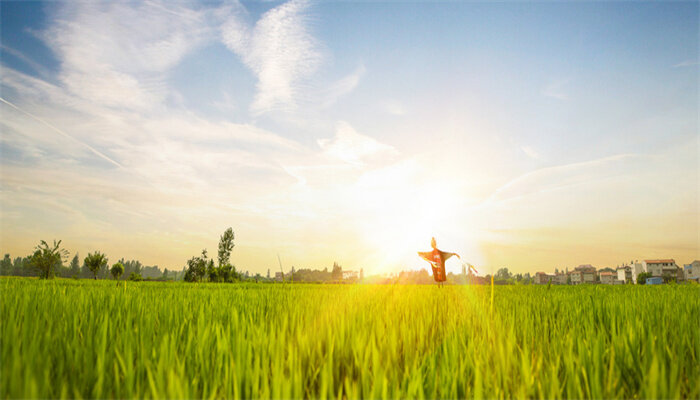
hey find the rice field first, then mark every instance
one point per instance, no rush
(94, 339)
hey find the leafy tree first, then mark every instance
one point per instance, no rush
(213, 272)
(503, 274)
(668, 278)
(642, 277)
(197, 267)
(117, 270)
(165, 274)
(95, 261)
(225, 247)
(6, 265)
(135, 277)
(75, 266)
(225, 272)
(47, 258)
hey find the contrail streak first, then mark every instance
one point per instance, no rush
(92, 149)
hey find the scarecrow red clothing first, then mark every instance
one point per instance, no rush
(437, 259)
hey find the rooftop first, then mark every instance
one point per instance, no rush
(661, 261)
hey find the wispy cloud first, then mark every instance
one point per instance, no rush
(531, 152)
(40, 69)
(279, 49)
(686, 63)
(393, 107)
(343, 86)
(349, 146)
(115, 54)
(62, 133)
(560, 176)
(556, 89)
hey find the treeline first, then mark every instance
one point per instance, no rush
(50, 261)
(423, 277)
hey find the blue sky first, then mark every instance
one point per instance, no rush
(531, 135)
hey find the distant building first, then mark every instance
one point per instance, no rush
(607, 278)
(661, 267)
(279, 277)
(542, 279)
(588, 273)
(576, 277)
(624, 274)
(350, 275)
(691, 271)
(637, 268)
(655, 280)
(560, 278)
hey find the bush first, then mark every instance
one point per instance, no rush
(135, 277)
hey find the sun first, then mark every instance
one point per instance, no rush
(400, 220)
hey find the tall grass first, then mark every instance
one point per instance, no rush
(92, 339)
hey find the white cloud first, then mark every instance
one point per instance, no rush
(393, 107)
(562, 176)
(531, 152)
(279, 50)
(686, 63)
(343, 86)
(115, 54)
(556, 89)
(349, 146)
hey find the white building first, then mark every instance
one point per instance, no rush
(692, 271)
(637, 268)
(576, 277)
(350, 275)
(624, 274)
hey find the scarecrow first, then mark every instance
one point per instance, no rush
(437, 259)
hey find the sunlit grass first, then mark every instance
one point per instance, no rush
(93, 339)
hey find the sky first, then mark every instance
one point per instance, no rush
(531, 136)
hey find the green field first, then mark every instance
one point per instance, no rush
(92, 339)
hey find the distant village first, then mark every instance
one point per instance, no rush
(635, 272)
(652, 272)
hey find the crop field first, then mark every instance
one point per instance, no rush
(94, 339)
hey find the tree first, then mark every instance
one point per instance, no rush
(135, 277)
(95, 261)
(503, 274)
(47, 258)
(362, 274)
(225, 272)
(225, 247)
(75, 266)
(213, 272)
(337, 273)
(117, 270)
(197, 268)
(6, 265)
(642, 277)
(165, 274)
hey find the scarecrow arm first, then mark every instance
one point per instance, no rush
(427, 256)
(446, 255)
